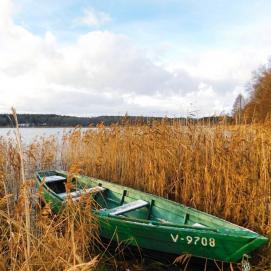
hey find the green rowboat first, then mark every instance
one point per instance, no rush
(152, 222)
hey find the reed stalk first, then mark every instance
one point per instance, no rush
(25, 188)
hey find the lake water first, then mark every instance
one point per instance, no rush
(29, 134)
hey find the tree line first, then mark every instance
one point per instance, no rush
(257, 108)
(52, 120)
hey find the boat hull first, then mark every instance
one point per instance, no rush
(219, 240)
(178, 241)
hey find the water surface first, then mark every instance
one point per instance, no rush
(29, 134)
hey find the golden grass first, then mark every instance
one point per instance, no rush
(224, 170)
(63, 242)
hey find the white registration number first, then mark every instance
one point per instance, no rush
(194, 240)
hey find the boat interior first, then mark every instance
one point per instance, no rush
(128, 204)
(106, 199)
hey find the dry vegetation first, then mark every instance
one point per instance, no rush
(53, 242)
(257, 107)
(223, 170)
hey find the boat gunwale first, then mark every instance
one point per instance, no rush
(149, 223)
(179, 205)
(236, 228)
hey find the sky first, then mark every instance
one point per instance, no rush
(112, 57)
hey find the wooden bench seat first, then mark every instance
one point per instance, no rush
(54, 178)
(75, 195)
(131, 206)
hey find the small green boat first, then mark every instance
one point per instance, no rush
(152, 222)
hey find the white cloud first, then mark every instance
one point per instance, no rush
(105, 73)
(6, 8)
(93, 17)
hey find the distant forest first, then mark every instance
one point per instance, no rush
(257, 108)
(52, 120)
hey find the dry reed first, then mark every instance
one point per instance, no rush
(224, 170)
(49, 242)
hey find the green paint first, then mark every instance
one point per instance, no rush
(163, 225)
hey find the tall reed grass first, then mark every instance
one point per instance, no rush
(223, 170)
(49, 242)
